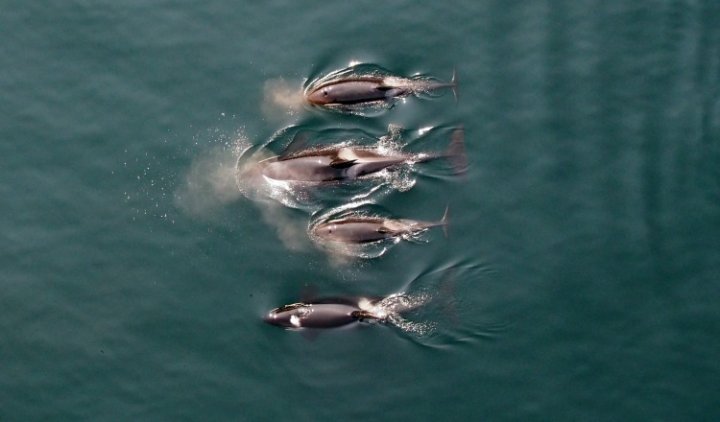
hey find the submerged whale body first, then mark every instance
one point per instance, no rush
(358, 229)
(343, 162)
(366, 86)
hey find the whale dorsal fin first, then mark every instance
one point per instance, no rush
(309, 334)
(383, 229)
(341, 164)
(345, 158)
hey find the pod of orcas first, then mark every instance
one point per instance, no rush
(354, 90)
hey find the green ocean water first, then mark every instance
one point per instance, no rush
(584, 241)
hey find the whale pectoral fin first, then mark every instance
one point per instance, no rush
(392, 91)
(309, 334)
(342, 164)
(298, 143)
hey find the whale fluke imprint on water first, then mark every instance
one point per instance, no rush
(366, 89)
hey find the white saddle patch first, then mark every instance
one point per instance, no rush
(394, 226)
(346, 154)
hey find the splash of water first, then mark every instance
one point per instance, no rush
(210, 183)
(422, 328)
(368, 250)
(290, 231)
(281, 99)
(390, 310)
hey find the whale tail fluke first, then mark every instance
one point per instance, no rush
(454, 85)
(309, 334)
(444, 221)
(448, 295)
